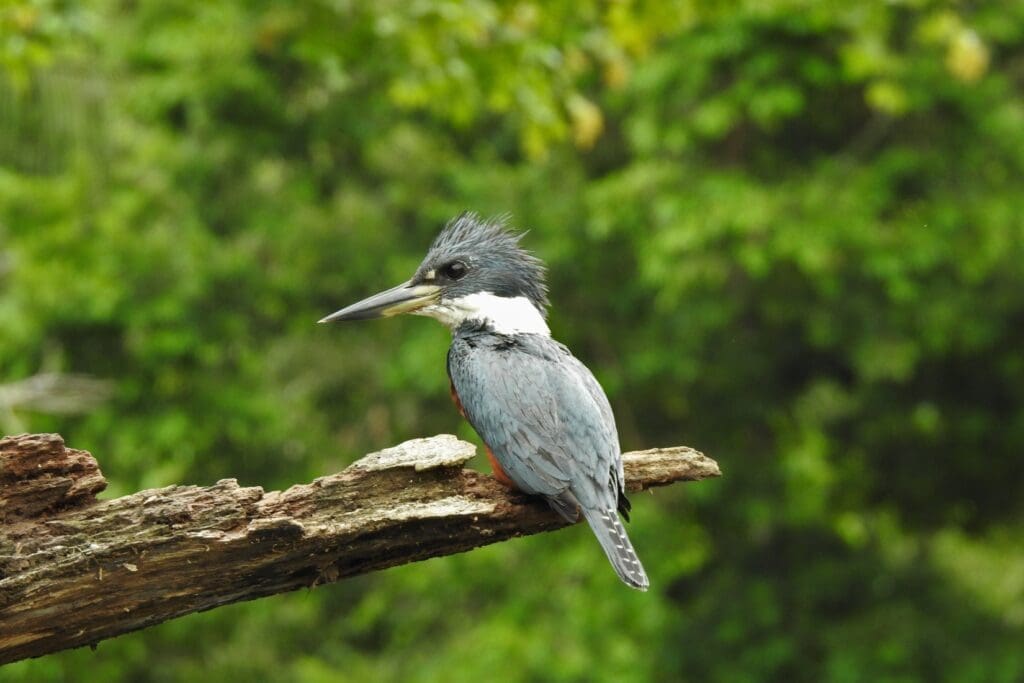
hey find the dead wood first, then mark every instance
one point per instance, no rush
(75, 570)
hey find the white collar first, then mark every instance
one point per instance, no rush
(504, 315)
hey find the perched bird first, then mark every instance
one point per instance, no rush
(544, 419)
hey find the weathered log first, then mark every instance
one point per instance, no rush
(39, 475)
(74, 570)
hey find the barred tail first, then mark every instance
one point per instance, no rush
(613, 539)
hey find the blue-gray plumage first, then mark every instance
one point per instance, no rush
(538, 409)
(550, 427)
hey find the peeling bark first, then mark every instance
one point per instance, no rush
(74, 570)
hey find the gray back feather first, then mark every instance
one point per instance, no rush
(542, 414)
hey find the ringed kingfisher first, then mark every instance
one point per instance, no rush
(545, 421)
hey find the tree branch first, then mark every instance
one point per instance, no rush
(74, 570)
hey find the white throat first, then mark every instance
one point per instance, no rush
(504, 315)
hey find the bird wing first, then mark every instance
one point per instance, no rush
(542, 414)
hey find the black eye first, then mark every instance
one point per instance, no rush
(455, 270)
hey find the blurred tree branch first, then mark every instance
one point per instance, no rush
(74, 570)
(55, 393)
(51, 392)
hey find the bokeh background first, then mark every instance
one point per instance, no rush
(787, 233)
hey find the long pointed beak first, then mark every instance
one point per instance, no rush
(405, 298)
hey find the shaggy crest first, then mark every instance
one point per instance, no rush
(508, 270)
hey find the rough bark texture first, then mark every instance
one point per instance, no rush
(74, 570)
(38, 475)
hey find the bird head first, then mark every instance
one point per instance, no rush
(475, 273)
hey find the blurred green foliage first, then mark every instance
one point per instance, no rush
(787, 233)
